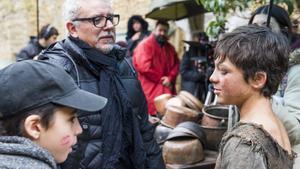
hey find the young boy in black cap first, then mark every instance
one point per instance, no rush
(37, 113)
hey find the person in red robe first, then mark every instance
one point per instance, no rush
(157, 64)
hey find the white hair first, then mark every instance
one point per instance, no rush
(71, 7)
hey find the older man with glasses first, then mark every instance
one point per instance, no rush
(119, 136)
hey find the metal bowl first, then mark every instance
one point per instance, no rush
(215, 116)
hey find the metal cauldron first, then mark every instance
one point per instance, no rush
(214, 136)
(214, 123)
(215, 116)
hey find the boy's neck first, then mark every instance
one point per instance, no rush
(255, 108)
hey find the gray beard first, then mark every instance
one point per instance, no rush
(106, 49)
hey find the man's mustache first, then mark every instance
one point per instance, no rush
(109, 34)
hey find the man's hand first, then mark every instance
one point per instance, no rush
(136, 36)
(166, 81)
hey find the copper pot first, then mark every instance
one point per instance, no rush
(178, 114)
(160, 102)
(183, 150)
(215, 116)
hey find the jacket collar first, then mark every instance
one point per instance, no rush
(91, 58)
(20, 148)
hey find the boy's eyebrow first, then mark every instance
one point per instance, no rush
(218, 64)
(221, 65)
(74, 111)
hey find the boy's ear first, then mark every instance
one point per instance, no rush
(259, 80)
(33, 126)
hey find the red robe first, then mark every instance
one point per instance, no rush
(152, 62)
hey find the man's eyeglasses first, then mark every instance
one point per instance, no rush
(101, 21)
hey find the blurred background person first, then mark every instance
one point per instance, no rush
(137, 30)
(194, 67)
(295, 35)
(47, 36)
(280, 20)
(157, 64)
(285, 102)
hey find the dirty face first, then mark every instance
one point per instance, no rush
(229, 83)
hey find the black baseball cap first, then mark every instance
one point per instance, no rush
(29, 84)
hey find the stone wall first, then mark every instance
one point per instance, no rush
(127, 8)
(18, 21)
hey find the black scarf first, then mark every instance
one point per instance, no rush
(117, 130)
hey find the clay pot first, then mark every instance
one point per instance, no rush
(183, 151)
(178, 114)
(175, 101)
(185, 144)
(215, 116)
(188, 129)
(160, 102)
(190, 100)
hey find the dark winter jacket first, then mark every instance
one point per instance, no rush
(32, 49)
(141, 150)
(18, 152)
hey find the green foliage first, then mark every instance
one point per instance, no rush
(221, 8)
(297, 3)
